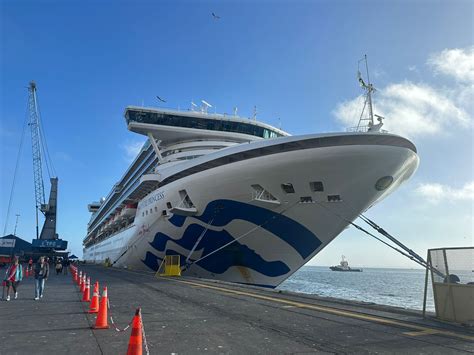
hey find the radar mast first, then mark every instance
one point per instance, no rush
(367, 121)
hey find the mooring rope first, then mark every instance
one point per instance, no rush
(410, 254)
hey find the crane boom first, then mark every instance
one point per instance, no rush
(36, 150)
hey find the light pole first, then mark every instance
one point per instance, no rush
(16, 224)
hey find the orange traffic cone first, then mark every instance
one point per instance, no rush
(135, 343)
(96, 287)
(86, 295)
(83, 283)
(79, 279)
(101, 321)
(94, 305)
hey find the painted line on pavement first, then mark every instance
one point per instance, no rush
(420, 330)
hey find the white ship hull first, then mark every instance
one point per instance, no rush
(273, 239)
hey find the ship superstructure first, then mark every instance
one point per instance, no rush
(183, 136)
(237, 199)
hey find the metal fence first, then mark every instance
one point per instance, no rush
(452, 276)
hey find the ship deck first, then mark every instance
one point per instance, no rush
(185, 315)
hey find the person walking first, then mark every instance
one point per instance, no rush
(13, 277)
(30, 265)
(59, 266)
(41, 275)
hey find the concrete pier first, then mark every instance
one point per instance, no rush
(189, 316)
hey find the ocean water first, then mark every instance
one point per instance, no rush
(394, 287)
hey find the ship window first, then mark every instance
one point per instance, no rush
(185, 200)
(164, 213)
(143, 214)
(259, 193)
(288, 188)
(156, 209)
(146, 212)
(151, 210)
(316, 186)
(334, 198)
(306, 199)
(168, 205)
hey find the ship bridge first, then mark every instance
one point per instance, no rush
(172, 126)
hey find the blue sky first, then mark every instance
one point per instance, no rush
(294, 60)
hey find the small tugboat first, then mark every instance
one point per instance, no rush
(344, 266)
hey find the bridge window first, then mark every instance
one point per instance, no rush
(224, 125)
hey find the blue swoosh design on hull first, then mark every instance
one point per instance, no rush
(152, 261)
(235, 254)
(222, 212)
(225, 211)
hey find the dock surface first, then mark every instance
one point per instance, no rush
(189, 316)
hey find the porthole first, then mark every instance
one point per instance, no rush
(168, 205)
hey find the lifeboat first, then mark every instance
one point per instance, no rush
(117, 218)
(129, 211)
(113, 221)
(107, 225)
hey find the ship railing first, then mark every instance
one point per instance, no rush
(363, 129)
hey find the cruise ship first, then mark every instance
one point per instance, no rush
(237, 199)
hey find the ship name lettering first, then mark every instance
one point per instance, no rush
(155, 198)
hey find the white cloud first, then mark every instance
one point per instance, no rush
(410, 110)
(435, 193)
(418, 109)
(131, 150)
(458, 63)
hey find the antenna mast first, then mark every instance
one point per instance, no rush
(369, 89)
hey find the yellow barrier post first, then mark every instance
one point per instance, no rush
(172, 266)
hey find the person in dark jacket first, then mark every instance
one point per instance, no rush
(13, 277)
(41, 275)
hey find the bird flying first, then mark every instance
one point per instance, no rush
(215, 16)
(159, 98)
